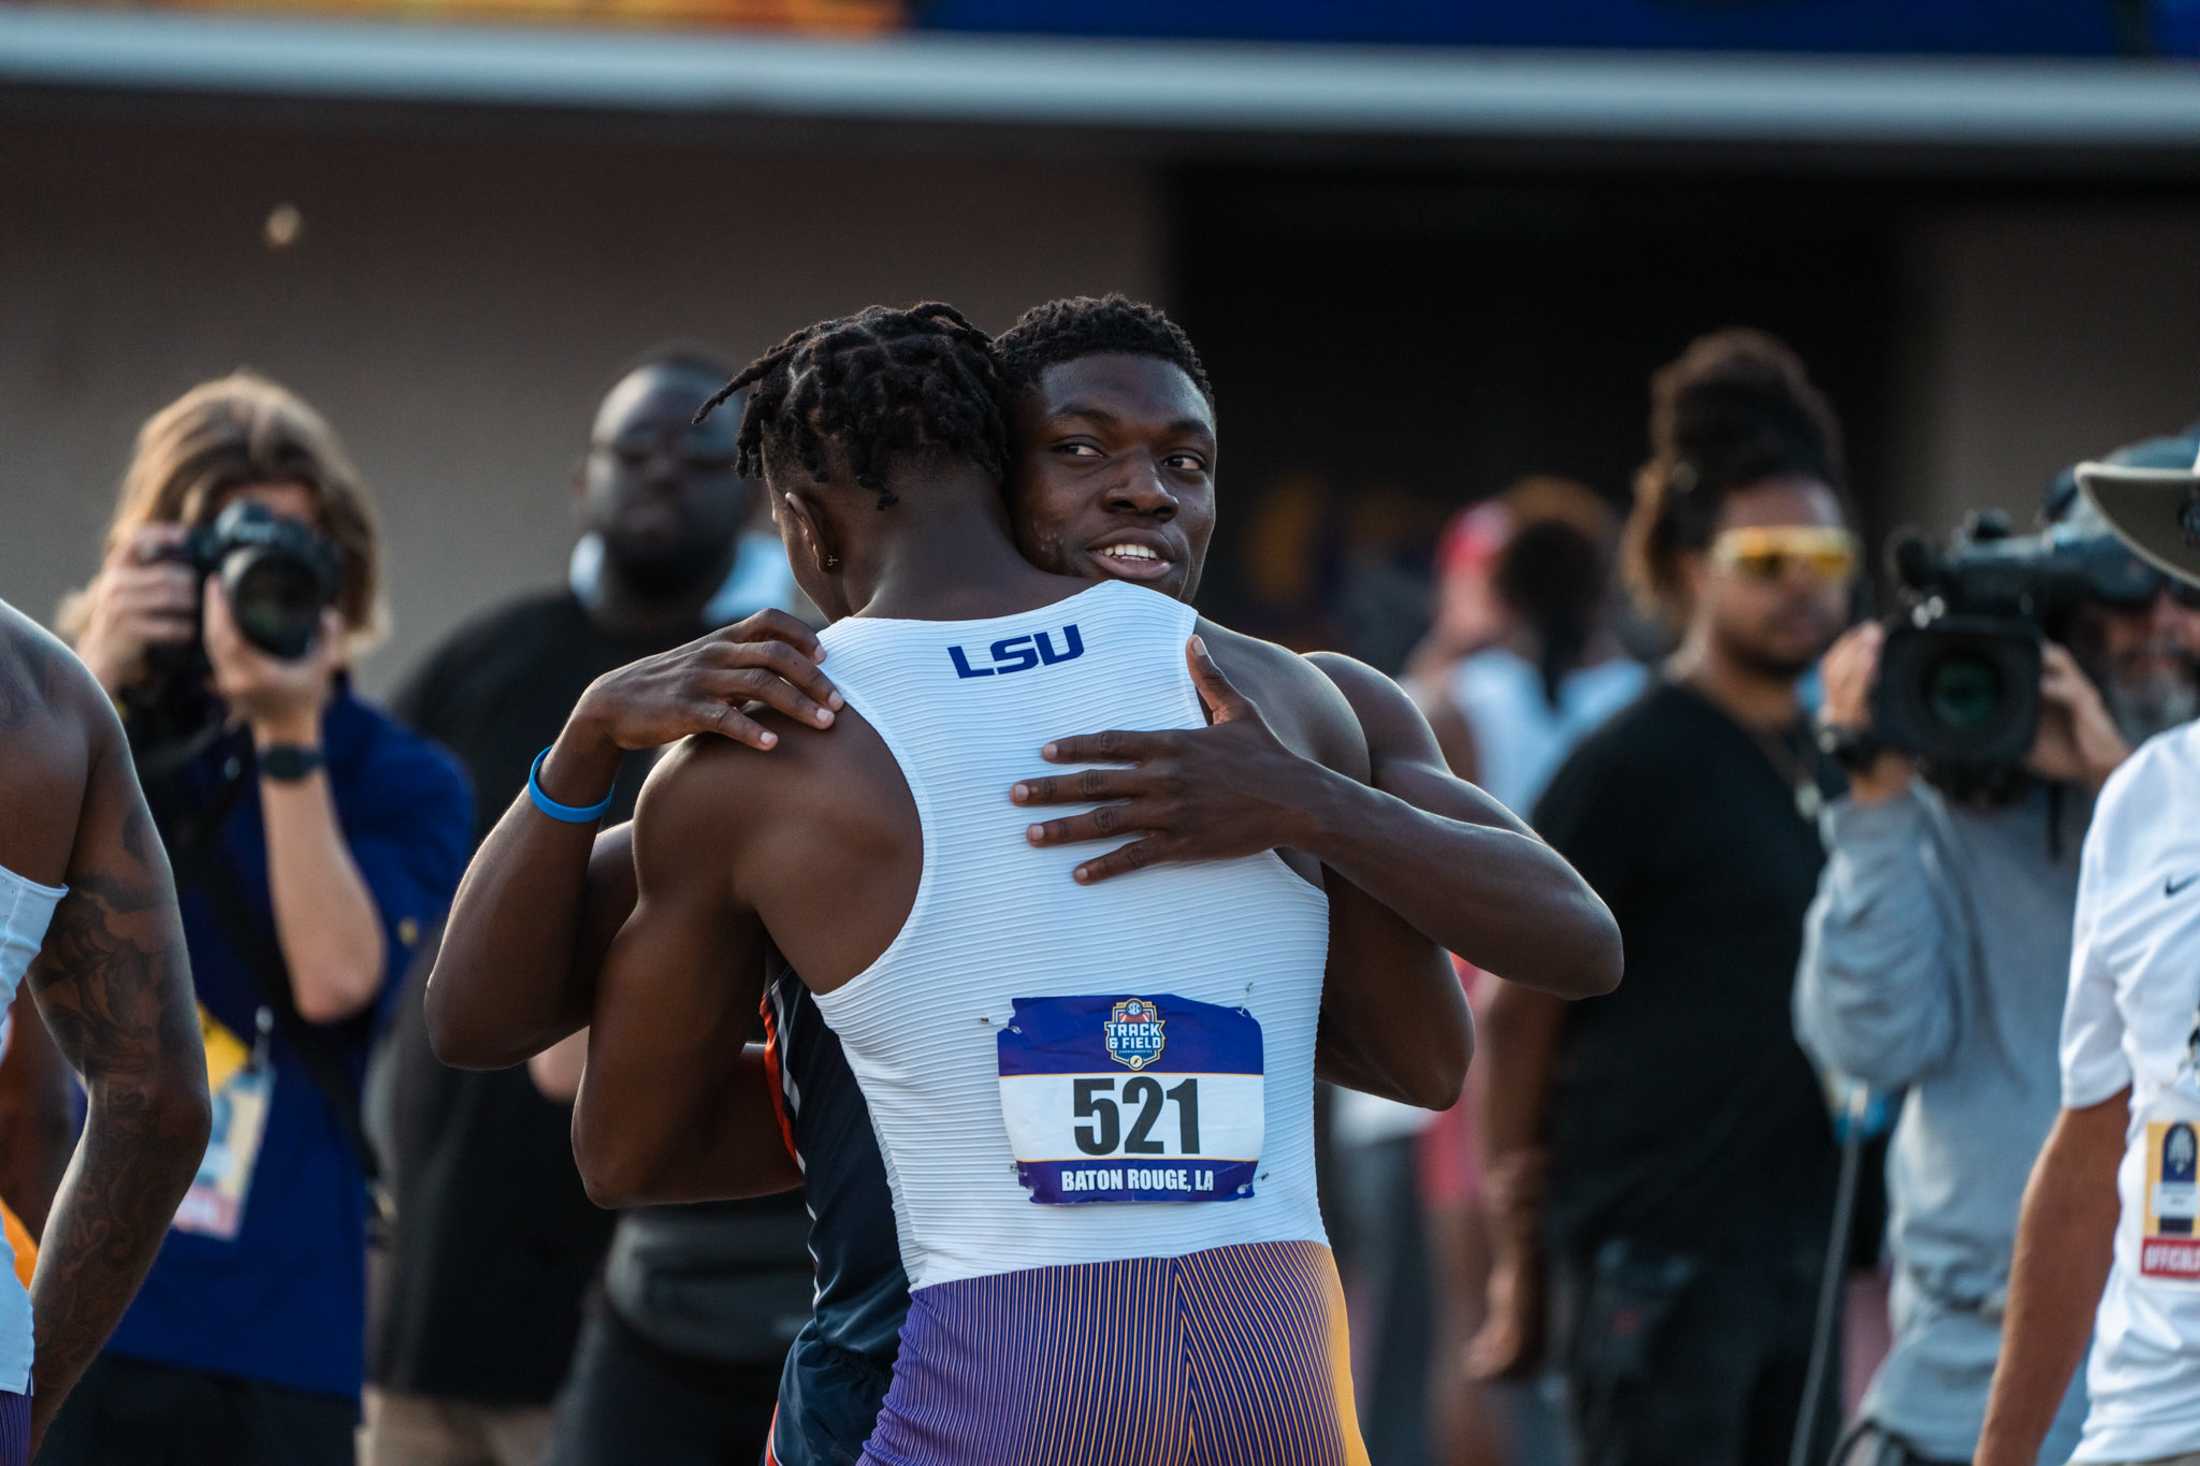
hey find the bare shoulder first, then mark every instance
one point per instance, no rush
(711, 794)
(713, 770)
(1422, 758)
(60, 732)
(111, 979)
(1268, 672)
(40, 676)
(1305, 707)
(694, 788)
(818, 837)
(1392, 721)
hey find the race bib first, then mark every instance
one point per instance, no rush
(2169, 1245)
(1132, 1099)
(241, 1083)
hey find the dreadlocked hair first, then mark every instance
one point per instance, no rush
(881, 384)
(1736, 409)
(1089, 325)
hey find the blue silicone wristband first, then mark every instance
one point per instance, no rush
(567, 813)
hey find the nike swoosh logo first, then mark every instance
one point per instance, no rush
(2173, 887)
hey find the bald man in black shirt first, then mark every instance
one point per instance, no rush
(496, 1246)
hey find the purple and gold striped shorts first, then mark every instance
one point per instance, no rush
(15, 1429)
(1235, 1356)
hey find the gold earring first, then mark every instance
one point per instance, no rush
(832, 561)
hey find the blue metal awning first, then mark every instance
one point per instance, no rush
(1134, 86)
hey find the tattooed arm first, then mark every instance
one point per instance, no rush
(114, 988)
(37, 1117)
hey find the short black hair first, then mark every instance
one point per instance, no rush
(1735, 409)
(882, 383)
(1091, 325)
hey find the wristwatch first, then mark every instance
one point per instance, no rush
(287, 763)
(1854, 749)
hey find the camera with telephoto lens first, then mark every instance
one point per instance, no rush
(280, 576)
(1959, 675)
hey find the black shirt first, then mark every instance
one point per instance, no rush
(496, 1242)
(1684, 1114)
(842, 1362)
(499, 688)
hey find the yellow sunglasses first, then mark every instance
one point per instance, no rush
(1765, 552)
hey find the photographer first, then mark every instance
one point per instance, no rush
(1936, 949)
(313, 841)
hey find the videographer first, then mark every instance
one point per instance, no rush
(313, 841)
(1936, 950)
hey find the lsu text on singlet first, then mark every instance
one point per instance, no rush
(1094, 1104)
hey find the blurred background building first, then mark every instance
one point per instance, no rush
(1426, 248)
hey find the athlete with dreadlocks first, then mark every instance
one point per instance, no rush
(999, 1019)
(1114, 431)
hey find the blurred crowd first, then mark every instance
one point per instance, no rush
(1760, 1204)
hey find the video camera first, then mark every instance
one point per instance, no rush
(280, 576)
(1959, 676)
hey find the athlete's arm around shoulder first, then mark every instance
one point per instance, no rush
(1280, 733)
(113, 985)
(1465, 870)
(516, 969)
(1394, 1020)
(677, 995)
(1429, 847)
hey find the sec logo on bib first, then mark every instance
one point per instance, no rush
(1185, 1125)
(1134, 1033)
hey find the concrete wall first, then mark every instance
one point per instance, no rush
(460, 296)
(458, 307)
(2043, 337)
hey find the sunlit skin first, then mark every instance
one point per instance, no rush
(111, 984)
(1109, 451)
(1117, 452)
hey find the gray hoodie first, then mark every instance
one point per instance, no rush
(1935, 959)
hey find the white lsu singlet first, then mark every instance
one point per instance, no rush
(1040, 1056)
(26, 909)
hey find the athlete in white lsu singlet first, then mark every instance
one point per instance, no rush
(88, 911)
(1094, 1103)
(1113, 449)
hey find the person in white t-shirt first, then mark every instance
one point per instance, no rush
(2110, 1214)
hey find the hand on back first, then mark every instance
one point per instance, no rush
(1231, 789)
(707, 686)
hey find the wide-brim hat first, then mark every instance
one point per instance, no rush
(2150, 495)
